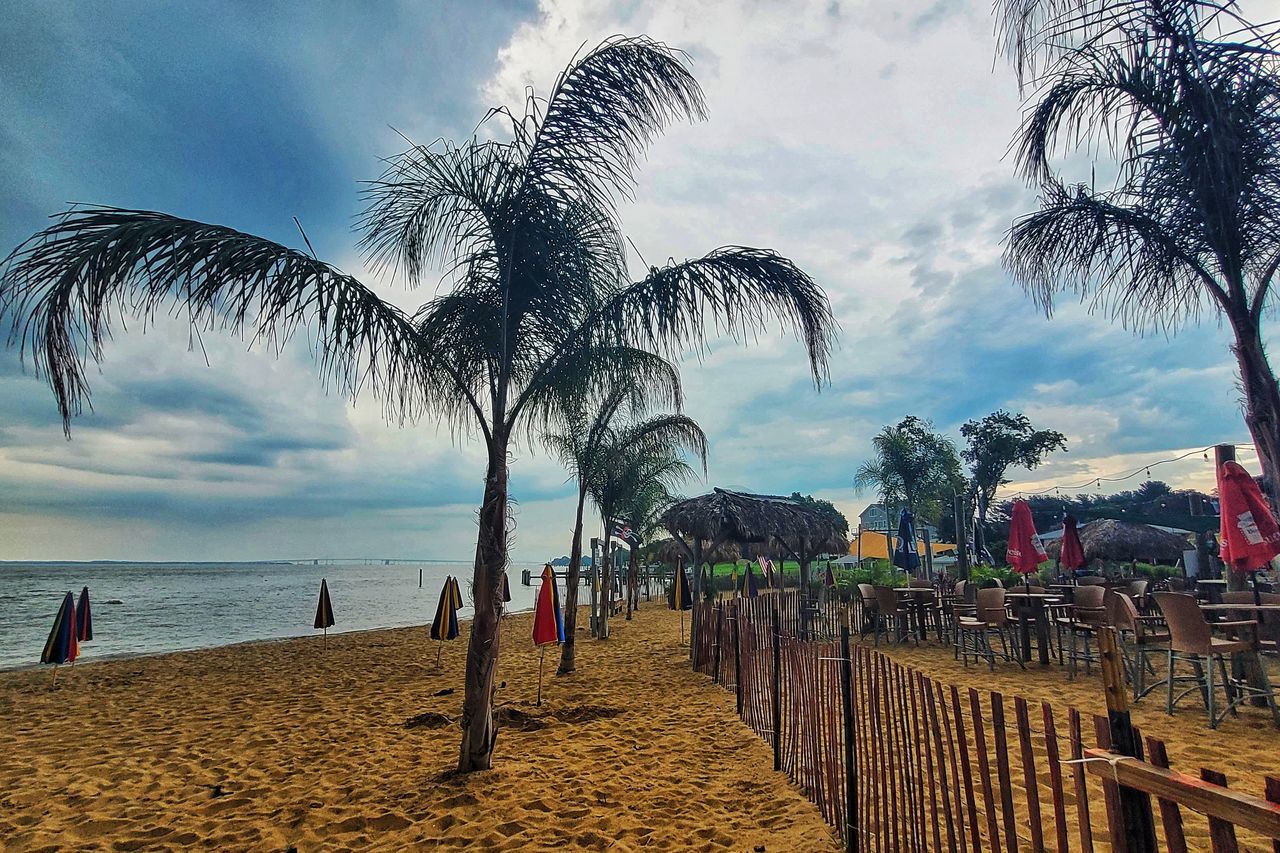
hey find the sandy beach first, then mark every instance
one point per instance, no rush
(295, 743)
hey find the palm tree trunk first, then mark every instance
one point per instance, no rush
(479, 730)
(573, 582)
(1262, 402)
(606, 580)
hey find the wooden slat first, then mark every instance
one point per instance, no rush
(894, 840)
(1110, 790)
(954, 765)
(1170, 814)
(944, 790)
(966, 770)
(1273, 796)
(1221, 832)
(1233, 807)
(930, 724)
(911, 761)
(1029, 773)
(1082, 788)
(1054, 759)
(984, 771)
(1002, 772)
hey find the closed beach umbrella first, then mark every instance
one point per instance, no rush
(1249, 534)
(1072, 553)
(681, 597)
(506, 592)
(445, 625)
(906, 555)
(324, 610)
(548, 624)
(84, 617)
(707, 591)
(62, 647)
(750, 588)
(733, 578)
(1024, 553)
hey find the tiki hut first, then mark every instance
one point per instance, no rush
(1123, 541)
(722, 516)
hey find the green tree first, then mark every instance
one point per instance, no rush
(826, 509)
(525, 221)
(994, 444)
(594, 446)
(912, 466)
(1183, 96)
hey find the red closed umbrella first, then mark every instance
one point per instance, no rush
(1249, 533)
(1072, 553)
(548, 624)
(1024, 553)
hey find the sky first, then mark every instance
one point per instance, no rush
(865, 141)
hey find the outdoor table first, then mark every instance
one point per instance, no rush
(915, 606)
(1037, 601)
(1214, 587)
(1255, 678)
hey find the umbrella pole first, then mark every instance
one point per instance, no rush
(542, 655)
(682, 627)
(55, 676)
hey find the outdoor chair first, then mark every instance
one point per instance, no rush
(1139, 591)
(1079, 621)
(1192, 641)
(892, 617)
(1139, 637)
(954, 606)
(920, 583)
(1090, 580)
(867, 599)
(974, 633)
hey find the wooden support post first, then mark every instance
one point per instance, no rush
(846, 701)
(717, 612)
(1138, 824)
(962, 537)
(777, 691)
(1226, 453)
(928, 553)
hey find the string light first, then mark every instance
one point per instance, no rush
(1097, 482)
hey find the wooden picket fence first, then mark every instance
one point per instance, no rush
(897, 761)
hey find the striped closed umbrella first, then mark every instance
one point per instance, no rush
(445, 625)
(548, 622)
(324, 610)
(750, 588)
(62, 646)
(681, 598)
(84, 617)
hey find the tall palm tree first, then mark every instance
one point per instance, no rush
(538, 289)
(643, 506)
(589, 446)
(631, 458)
(1184, 96)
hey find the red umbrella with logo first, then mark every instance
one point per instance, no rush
(548, 623)
(1025, 552)
(1249, 533)
(1072, 557)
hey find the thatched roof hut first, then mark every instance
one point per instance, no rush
(722, 516)
(1121, 541)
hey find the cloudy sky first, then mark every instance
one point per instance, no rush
(864, 140)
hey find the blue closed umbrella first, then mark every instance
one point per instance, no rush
(905, 554)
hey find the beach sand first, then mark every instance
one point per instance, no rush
(269, 745)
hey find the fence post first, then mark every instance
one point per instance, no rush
(777, 691)
(718, 615)
(737, 656)
(1139, 832)
(846, 696)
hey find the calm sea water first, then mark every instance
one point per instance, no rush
(171, 607)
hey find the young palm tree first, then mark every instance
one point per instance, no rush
(595, 450)
(539, 292)
(643, 506)
(1184, 95)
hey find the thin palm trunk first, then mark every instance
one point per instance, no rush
(572, 583)
(479, 729)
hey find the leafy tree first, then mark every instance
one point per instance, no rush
(913, 466)
(1184, 97)
(995, 443)
(826, 509)
(524, 219)
(593, 448)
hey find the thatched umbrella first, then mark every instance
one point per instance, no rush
(723, 516)
(1122, 541)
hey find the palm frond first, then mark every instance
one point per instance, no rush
(734, 290)
(67, 286)
(603, 112)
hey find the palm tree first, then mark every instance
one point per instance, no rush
(632, 458)
(590, 447)
(539, 291)
(912, 466)
(648, 497)
(1184, 96)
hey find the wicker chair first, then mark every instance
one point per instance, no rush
(867, 598)
(1139, 637)
(1079, 621)
(892, 618)
(1192, 641)
(974, 633)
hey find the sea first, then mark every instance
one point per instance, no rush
(146, 608)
